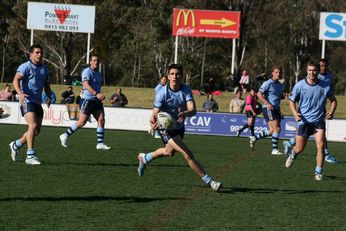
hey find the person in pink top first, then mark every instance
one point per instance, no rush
(244, 81)
(251, 113)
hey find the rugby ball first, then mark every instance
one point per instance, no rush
(165, 121)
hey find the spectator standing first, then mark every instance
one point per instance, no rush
(6, 94)
(244, 81)
(118, 99)
(210, 105)
(237, 104)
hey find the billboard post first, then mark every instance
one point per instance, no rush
(332, 27)
(61, 17)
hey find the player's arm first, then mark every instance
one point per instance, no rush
(263, 99)
(16, 86)
(153, 118)
(48, 92)
(333, 106)
(87, 86)
(190, 111)
(293, 108)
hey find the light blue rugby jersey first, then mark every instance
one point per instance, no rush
(272, 92)
(158, 87)
(33, 80)
(312, 100)
(328, 77)
(95, 81)
(170, 101)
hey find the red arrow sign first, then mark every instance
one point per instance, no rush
(206, 23)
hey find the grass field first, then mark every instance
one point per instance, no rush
(81, 188)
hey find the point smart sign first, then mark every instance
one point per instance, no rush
(61, 17)
(206, 23)
(332, 26)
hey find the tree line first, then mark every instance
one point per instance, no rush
(134, 39)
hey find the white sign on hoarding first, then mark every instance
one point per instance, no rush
(332, 26)
(61, 17)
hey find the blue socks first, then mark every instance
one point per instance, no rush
(100, 134)
(207, 179)
(18, 144)
(318, 170)
(71, 129)
(275, 141)
(30, 153)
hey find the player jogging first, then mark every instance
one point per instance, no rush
(29, 81)
(176, 99)
(91, 104)
(271, 93)
(325, 75)
(311, 94)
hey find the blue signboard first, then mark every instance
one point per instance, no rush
(332, 26)
(227, 124)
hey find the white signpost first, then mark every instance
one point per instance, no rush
(61, 17)
(332, 27)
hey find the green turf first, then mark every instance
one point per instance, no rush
(80, 188)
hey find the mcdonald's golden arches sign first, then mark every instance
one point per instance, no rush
(206, 23)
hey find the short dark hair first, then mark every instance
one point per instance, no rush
(323, 60)
(34, 46)
(176, 66)
(93, 55)
(312, 63)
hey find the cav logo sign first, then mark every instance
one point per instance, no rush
(332, 26)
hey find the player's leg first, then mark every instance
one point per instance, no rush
(319, 139)
(252, 125)
(302, 136)
(245, 126)
(84, 115)
(275, 130)
(301, 142)
(34, 125)
(328, 157)
(288, 145)
(177, 144)
(99, 115)
(145, 158)
(267, 116)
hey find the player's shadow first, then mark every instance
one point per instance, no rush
(115, 164)
(128, 199)
(233, 190)
(90, 164)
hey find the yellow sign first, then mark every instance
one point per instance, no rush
(186, 18)
(224, 22)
